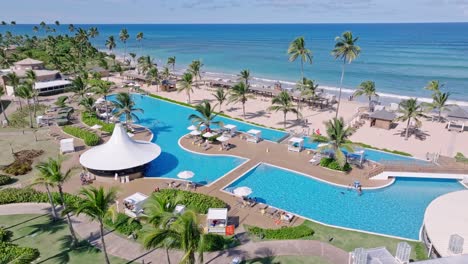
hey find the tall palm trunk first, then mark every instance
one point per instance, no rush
(284, 113)
(70, 224)
(243, 109)
(3, 111)
(341, 85)
(30, 114)
(51, 200)
(107, 109)
(188, 95)
(407, 129)
(101, 230)
(168, 256)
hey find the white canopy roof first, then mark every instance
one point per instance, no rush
(296, 140)
(229, 126)
(120, 152)
(217, 213)
(254, 132)
(222, 139)
(136, 198)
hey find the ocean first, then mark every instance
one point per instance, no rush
(400, 58)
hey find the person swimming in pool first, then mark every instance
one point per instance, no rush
(359, 190)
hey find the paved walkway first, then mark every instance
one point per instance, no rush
(132, 251)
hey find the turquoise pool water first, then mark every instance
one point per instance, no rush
(374, 155)
(397, 210)
(169, 122)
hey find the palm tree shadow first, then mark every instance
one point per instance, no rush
(66, 248)
(261, 113)
(48, 227)
(25, 221)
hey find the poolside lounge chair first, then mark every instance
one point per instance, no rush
(316, 159)
(271, 212)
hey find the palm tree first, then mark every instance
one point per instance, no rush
(221, 97)
(434, 86)
(171, 61)
(346, 50)
(206, 117)
(244, 76)
(93, 32)
(185, 84)
(31, 77)
(126, 107)
(71, 28)
(52, 169)
(4, 23)
(96, 205)
(439, 103)
(306, 89)
(366, 88)
(110, 44)
(103, 89)
(2, 93)
(153, 77)
(410, 109)
(35, 29)
(123, 36)
(297, 48)
(88, 104)
(57, 23)
(133, 56)
(14, 81)
(183, 233)
(195, 70)
(145, 63)
(46, 179)
(25, 91)
(337, 139)
(139, 38)
(166, 73)
(240, 94)
(283, 102)
(80, 87)
(13, 23)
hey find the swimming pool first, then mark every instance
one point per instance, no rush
(397, 210)
(169, 122)
(374, 155)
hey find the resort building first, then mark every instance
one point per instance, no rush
(121, 156)
(446, 225)
(48, 81)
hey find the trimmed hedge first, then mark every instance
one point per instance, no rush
(382, 149)
(89, 138)
(198, 202)
(14, 254)
(5, 179)
(333, 164)
(123, 224)
(29, 195)
(91, 120)
(285, 233)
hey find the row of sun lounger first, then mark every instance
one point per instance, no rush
(268, 211)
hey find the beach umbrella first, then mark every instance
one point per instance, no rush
(185, 174)
(208, 135)
(222, 139)
(242, 191)
(195, 133)
(96, 127)
(192, 127)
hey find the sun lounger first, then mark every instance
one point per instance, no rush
(270, 212)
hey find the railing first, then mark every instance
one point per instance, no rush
(421, 167)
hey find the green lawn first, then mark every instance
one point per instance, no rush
(37, 231)
(288, 260)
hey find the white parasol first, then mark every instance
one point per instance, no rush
(195, 133)
(208, 135)
(222, 139)
(242, 191)
(185, 174)
(192, 127)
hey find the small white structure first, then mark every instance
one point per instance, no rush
(208, 135)
(403, 252)
(242, 191)
(296, 144)
(134, 204)
(185, 175)
(67, 146)
(216, 220)
(231, 130)
(195, 133)
(254, 135)
(192, 127)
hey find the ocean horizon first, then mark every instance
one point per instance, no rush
(401, 58)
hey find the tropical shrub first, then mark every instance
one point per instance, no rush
(5, 179)
(459, 157)
(23, 162)
(295, 232)
(214, 242)
(334, 165)
(123, 224)
(89, 138)
(5, 235)
(91, 119)
(14, 254)
(29, 195)
(198, 202)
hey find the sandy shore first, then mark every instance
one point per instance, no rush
(438, 138)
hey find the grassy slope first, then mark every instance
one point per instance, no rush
(27, 232)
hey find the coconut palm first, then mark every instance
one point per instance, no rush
(244, 76)
(71, 28)
(185, 84)
(195, 70)
(206, 115)
(31, 78)
(88, 104)
(2, 93)
(4, 23)
(337, 139)
(366, 88)
(171, 61)
(46, 179)
(166, 73)
(93, 32)
(25, 91)
(240, 94)
(153, 77)
(132, 56)
(297, 48)
(123, 36)
(283, 102)
(111, 45)
(410, 110)
(35, 29)
(52, 169)
(13, 23)
(104, 89)
(439, 103)
(14, 81)
(145, 63)
(80, 87)
(221, 96)
(96, 205)
(307, 89)
(57, 23)
(434, 86)
(139, 38)
(125, 106)
(4, 60)
(346, 50)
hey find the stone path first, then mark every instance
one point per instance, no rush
(132, 251)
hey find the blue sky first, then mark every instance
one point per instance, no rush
(234, 11)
